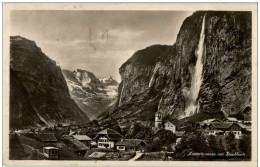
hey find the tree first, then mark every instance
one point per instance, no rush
(191, 142)
(221, 146)
(245, 144)
(154, 146)
(231, 144)
(95, 123)
(213, 144)
(145, 133)
(136, 129)
(190, 127)
(166, 137)
(116, 128)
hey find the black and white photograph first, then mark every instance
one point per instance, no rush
(93, 85)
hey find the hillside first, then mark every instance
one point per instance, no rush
(38, 92)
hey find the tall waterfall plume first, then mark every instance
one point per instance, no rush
(192, 95)
(120, 98)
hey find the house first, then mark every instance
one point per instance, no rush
(230, 119)
(75, 145)
(74, 132)
(247, 114)
(224, 128)
(246, 128)
(83, 139)
(51, 152)
(97, 155)
(107, 138)
(130, 145)
(204, 124)
(46, 137)
(170, 126)
(178, 140)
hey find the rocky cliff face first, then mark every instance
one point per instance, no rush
(92, 95)
(226, 84)
(137, 72)
(163, 84)
(38, 92)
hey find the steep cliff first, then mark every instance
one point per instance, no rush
(137, 72)
(164, 85)
(226, 83)
(92, 95)
(38, 92)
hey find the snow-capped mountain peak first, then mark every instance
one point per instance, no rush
(108, 81)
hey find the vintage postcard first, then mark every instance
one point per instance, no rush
(130, 84)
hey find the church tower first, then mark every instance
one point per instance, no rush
(158, 119)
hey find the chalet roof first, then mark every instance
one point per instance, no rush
(48, 148)
(244, 126)
(169, 122)
(46, 137)
(82, 137)
(75, 145)
(221, 125)
(111, 134)
(211, 120)
(129, 142)
(97, 155)
(230, 119)
(208, 121)
(247, 110)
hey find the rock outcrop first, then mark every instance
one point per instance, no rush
(39, 94)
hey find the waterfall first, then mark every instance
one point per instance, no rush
(197, 76)
(121, 94)
(154, 71)
(151, 80)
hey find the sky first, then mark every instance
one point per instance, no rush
(96, 41)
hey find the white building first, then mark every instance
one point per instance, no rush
(224, 128)
(51, 152)
(170, 126)
(107, 138)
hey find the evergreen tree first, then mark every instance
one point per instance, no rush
(245, 145)
(221, 146)
(231, 144)
(213, 144)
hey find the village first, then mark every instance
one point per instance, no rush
(164, 140)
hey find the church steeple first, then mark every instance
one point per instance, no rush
(158, 119)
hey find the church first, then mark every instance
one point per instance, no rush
(168, 125)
